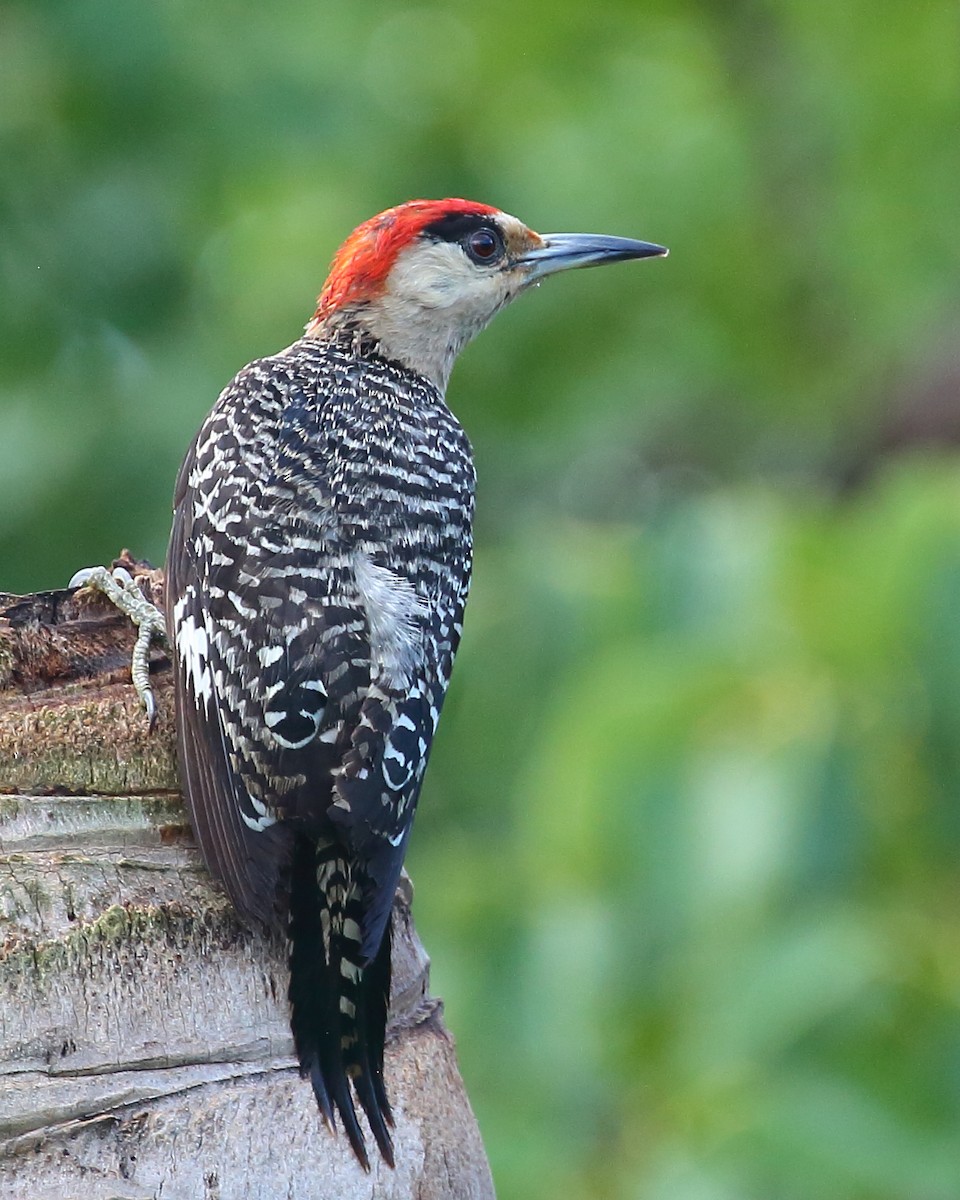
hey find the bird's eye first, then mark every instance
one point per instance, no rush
(483, 245)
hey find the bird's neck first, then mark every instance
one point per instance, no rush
(428, 348)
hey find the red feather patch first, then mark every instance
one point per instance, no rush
(363, 261)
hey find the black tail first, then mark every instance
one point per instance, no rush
(339, 1006)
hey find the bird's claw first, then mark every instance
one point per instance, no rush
(122, 591)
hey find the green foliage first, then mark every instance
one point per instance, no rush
(687, 856)
(715, 896)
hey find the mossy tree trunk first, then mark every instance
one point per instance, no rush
(144, 1044)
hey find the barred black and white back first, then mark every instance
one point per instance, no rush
(316, 580)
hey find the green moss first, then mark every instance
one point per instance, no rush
(9, 808)
(84, 747)
(190, 930)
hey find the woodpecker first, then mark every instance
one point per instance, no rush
(315, 586)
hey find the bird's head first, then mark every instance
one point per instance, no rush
(423, 278)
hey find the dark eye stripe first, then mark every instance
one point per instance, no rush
(456, 226)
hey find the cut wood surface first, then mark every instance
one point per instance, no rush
(145, 1049)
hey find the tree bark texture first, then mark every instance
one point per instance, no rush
(145, 1049)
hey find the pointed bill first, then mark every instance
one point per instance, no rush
(564, 251)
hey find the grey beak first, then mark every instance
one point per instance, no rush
(563, 251)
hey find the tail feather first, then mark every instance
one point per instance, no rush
(373, 998)
(338, 1005)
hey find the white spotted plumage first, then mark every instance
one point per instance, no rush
(318, 571)
(316, 581)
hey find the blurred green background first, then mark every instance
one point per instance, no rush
(688, 858)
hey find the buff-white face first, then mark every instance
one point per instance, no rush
(475, 272)
(426, 277)
(441, 291)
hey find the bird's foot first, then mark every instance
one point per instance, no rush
(121, 589)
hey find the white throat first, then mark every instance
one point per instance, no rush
(435, 300)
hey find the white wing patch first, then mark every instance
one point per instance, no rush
(193, 647)
(392, 607)
(268, 655)
(267, 816)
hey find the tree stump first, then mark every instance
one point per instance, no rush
(145, 1049)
